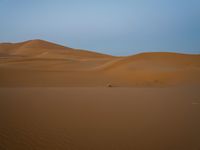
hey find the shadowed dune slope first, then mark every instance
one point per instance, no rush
(41, 63)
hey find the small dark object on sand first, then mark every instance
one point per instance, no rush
(109, 85)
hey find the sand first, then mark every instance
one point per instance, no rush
(100, 118)
(57, 98)
(41, 63)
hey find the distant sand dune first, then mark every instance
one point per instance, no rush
(39, 62)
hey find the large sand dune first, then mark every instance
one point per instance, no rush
(41, 63)
(56, 98)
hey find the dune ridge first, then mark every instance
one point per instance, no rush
(42, 63)
(43, 49)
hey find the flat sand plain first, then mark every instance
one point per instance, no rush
(100, 118)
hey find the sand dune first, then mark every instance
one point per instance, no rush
(42, 63)
(44, 49)
(56, 97)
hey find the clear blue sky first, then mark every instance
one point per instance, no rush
(118, 27)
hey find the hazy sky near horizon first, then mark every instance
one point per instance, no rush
(118, 27)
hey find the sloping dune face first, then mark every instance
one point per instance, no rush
(41, 63)
(156, 69)
(43, 49)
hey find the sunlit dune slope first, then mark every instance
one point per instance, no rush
(44, 49)
(41, 63)
(155, 68)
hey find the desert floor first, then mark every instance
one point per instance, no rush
(99, 118)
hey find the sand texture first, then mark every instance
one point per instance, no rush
(59, 98)
(41, 63)
(100, 118)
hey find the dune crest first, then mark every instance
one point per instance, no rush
(44, 49)
(42, 63)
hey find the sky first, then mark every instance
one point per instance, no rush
(117, 27)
